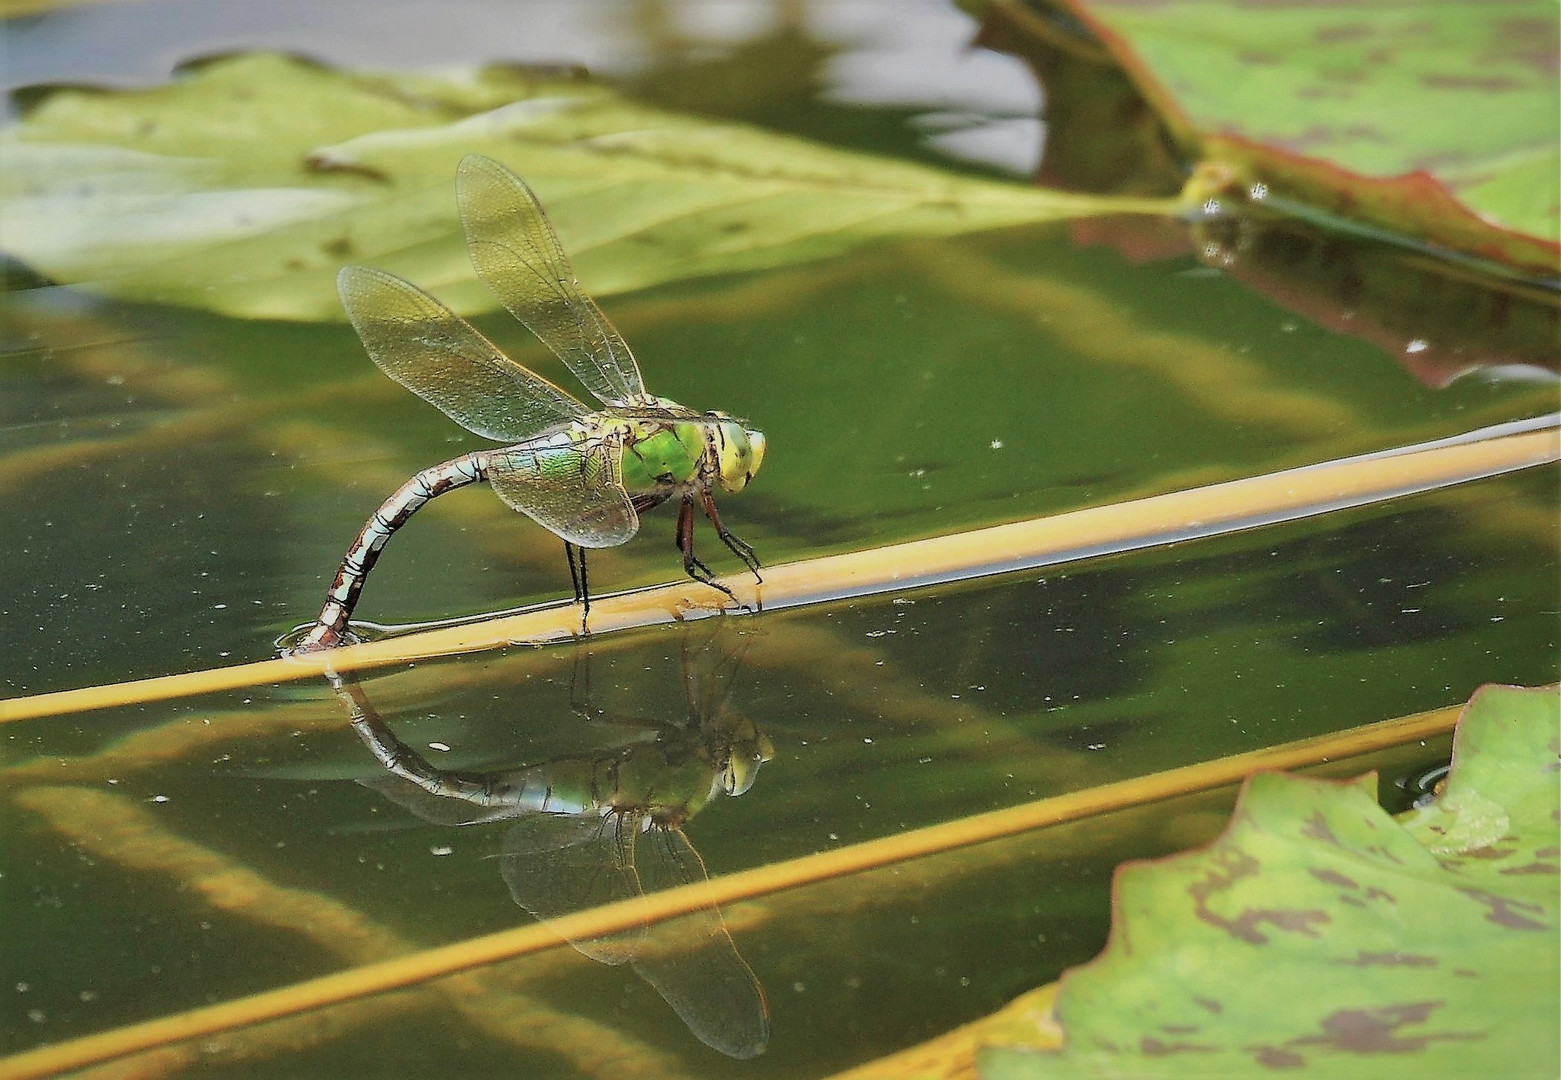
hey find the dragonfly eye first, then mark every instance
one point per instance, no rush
(739, 454)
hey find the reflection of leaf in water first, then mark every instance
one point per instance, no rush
(1437, 318)
(245, 184)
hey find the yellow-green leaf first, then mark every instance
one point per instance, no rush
(246, 183)
(1319, 936)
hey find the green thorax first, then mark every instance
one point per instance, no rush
(662, 453)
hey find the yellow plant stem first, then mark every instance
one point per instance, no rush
(1160, 519)
(761, 881)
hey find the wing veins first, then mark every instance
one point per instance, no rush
(429, 349)
(517, 254)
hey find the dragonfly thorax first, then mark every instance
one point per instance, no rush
(686, 451)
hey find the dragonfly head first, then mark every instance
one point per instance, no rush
(742, 767)
(739, 449)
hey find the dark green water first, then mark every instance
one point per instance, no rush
(180, 488)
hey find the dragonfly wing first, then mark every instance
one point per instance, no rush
(441, 358)
(518, 256)
(557, 864)
(571, 489)
(692, 962)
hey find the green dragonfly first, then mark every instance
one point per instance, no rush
(584, 475)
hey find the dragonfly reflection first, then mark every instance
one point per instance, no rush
(593, 829)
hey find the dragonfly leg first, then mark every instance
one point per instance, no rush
(331, 628)
(576, 557)
(738, 546)
(685, 541)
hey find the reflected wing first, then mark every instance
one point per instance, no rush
(518, 256)
(572, 490)
(557, 864)
(441, 358)
(692, 961)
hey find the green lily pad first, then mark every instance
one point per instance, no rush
(246, 183)
(1318, 934)
(1439, 121)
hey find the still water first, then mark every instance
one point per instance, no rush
(180, 487)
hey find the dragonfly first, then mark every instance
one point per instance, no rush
(584, 474)
(592, 829)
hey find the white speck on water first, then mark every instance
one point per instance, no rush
(834, 836)
(1212, 208)
(22, 988)
(868, 742)
(440, 849)
(443, 748)
(1257, 192)
(1416, 346)
(159, 798)
(997, 444)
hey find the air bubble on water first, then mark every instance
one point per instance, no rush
(440, 849)
(443, 748)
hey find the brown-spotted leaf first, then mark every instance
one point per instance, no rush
(1319, 936)
(1440, 121)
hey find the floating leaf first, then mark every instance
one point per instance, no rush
(1438, 121)
(246, 183)
(1318, 933)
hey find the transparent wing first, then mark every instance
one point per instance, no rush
(692, 961)
(441, 358)
(518, 256)
(557, 864)
(571, 490)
